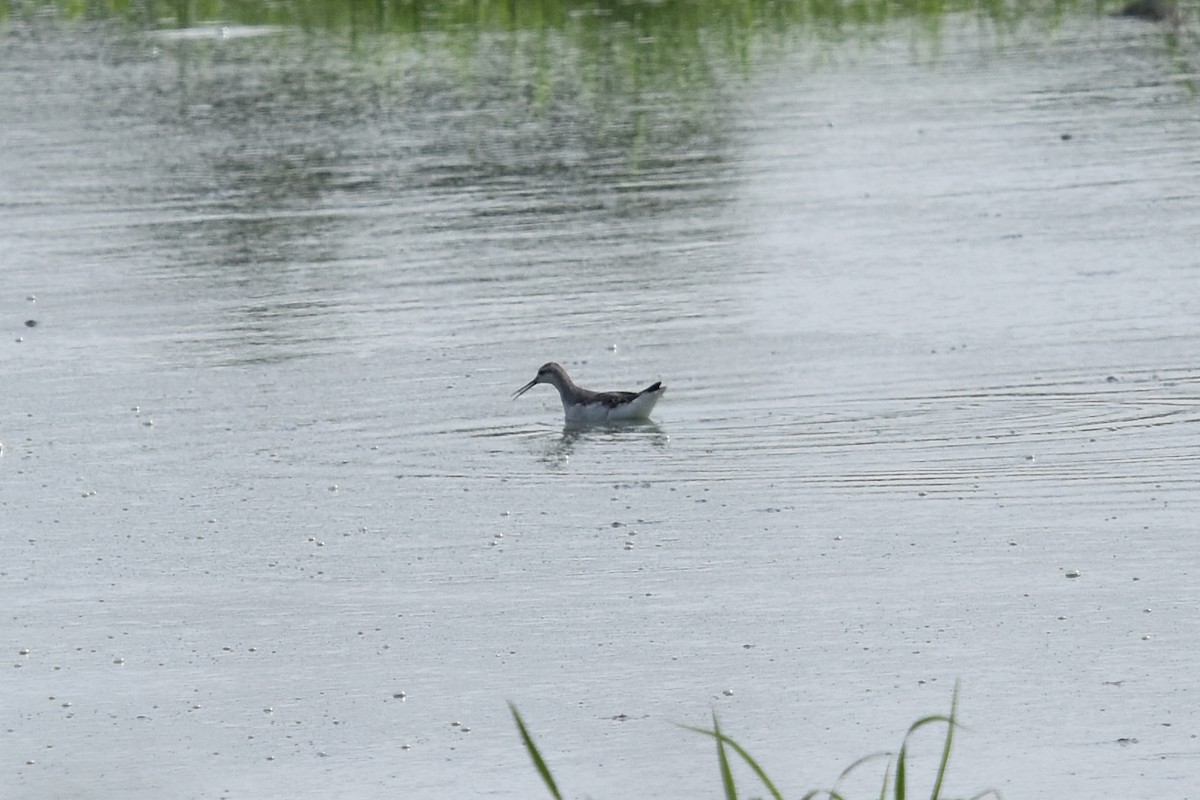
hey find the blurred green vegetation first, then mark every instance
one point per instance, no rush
(635, 77)
(648, 17)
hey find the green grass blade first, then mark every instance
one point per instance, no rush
(723, 760)
(538, 762)
(950, 724)
(829, 794)
(898, 783)
(858, 763)
(932, 719)
(741, 751)
(901, 788)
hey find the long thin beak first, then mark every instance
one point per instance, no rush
(524, 389)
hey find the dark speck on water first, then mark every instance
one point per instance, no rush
(1151, 10)
(31, 323)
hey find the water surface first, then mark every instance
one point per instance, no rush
(923, 301)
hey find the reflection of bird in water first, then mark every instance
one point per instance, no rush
(1153, 11)
(585, 407)
(559, 451)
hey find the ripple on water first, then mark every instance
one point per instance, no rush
(1063, 432)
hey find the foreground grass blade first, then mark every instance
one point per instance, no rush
(897, 783)
(723, 761)
(887, 772)
(722, 740)
(901, 786)
(538, 761)
(952, 723)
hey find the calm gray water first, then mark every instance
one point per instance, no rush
(272, 527)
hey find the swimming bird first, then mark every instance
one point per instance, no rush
(585, 407)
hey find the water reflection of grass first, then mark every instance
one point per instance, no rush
(895, 783)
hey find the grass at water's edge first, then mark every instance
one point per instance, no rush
(895, 773)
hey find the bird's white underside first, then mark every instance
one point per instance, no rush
(638, 408)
